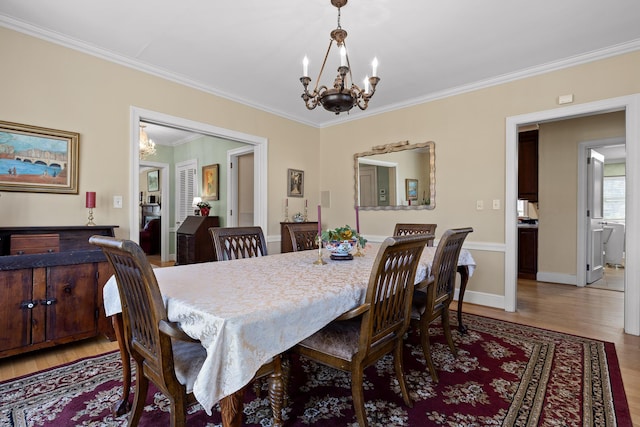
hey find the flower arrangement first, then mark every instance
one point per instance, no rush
(203, 205)
(343, 233)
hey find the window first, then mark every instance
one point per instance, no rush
(614, 197)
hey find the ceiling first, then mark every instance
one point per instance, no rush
(251, 51)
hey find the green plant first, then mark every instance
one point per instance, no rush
(343, 233)
(203, 205)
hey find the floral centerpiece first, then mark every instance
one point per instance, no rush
(342, 239)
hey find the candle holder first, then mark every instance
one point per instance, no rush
(91, 217)
(319, 261)
(306, 216)
(358, 253)
(286, 214)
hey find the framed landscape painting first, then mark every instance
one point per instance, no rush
(38, 160)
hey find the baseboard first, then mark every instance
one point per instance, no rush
(566, 279)
(482, 298)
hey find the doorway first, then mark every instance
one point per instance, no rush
(613, 152)
(631, 106)
(258, 145)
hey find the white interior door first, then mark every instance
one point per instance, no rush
(595, 244)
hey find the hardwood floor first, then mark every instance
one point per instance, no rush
(595, 313)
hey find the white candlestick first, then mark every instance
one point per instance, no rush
(343, 56)
(366, 84)
(374, 66)
(305, 67)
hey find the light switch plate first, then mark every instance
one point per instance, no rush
(479, 205)
(496, 204)
(117, 202)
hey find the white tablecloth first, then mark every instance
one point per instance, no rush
(246, 311)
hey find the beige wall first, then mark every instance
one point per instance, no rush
(52, 86)
(558, 185)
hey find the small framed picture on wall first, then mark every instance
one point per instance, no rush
(295, 183)
(153, 181)
(210, 182)
(411, 189)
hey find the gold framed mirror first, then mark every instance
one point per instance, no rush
(397, 176)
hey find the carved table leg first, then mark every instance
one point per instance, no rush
(464, 278)
(122, 406)
(276, 393)
(231, 409)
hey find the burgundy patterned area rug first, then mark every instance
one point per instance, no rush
(505, 375)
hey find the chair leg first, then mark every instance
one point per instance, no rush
(397, 359)
(426, 348)
(358, 395)
(447, 332)
(178, 411)
(142, 385)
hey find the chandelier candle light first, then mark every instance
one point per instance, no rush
(147, 146)
(90, 203)
(345, 94)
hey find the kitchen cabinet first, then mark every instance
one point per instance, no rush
(527, 252)
(54, 296)
(528, 165)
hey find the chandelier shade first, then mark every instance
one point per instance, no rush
(345, 94)
(147, 146)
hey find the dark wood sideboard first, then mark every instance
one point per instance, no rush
(194, 243)
(51, 280)
(285, 236)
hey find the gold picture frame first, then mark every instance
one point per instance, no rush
(34, 159)
(211, 182)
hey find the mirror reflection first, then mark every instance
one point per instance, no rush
(396, 176)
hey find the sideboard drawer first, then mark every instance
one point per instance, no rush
(22, 244)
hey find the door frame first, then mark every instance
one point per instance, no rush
(581, 249)
(165, 198)
(631, 106)
(260, 147)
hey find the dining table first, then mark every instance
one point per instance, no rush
(247, 311)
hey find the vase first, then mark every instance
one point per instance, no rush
(204, 211)
(340, 247)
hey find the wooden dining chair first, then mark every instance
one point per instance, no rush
(433, 300)
(361, 336)
(162, 352)
(303, 236)
(237, 242)
(402, 229)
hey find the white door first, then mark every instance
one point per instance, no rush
(595, 246)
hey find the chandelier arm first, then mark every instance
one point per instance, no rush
(344, 43)
(324, 62)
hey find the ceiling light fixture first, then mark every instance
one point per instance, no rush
(147, 146)
(345, 94)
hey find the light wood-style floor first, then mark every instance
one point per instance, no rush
(594, 313)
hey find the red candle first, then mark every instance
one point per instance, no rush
(358, 219)
(91, 199)
(319, 221)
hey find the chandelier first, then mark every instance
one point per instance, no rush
(344, 94)
(147, 146)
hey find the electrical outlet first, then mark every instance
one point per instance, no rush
(479, 205)
(117, 202)
(496, 204)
